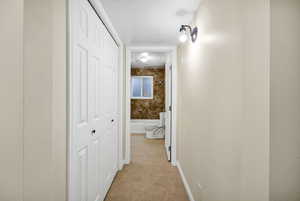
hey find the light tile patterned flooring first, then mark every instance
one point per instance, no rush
(149, 177)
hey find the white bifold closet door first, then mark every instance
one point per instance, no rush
(94, 119)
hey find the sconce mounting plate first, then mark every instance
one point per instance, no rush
(194, 34)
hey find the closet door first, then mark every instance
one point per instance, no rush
(109, 99)
(94, 92)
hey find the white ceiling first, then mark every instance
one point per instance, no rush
(155, 60)
(149, 22)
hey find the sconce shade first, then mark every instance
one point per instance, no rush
(184, 29)
(183, 37)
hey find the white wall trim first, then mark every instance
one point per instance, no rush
(173, 51)
(185, 183)
(127, 106)
(174, 107)
(121, 165)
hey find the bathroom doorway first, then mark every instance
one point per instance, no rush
(150, 102)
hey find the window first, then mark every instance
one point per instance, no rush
(142, 87)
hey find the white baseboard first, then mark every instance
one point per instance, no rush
(121, 165)
(185, 183)
(126, 162)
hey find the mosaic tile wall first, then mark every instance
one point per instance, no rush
(150, 108)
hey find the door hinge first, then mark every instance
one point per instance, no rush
(170, 148)
(170, 108)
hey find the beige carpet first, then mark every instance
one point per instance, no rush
(149, 177)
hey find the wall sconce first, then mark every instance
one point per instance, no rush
(185, 31)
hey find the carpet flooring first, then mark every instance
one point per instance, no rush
(149, 177)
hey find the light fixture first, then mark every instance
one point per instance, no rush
(144, 57)
(183, 37)
(144, 54)
(184, 30)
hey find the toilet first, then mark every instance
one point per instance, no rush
(156, 131)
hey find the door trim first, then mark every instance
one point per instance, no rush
(99, 9)
(173, 51)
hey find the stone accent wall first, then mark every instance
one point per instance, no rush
(150, 108)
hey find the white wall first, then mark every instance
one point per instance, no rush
(33, 100)
(45, 100)
(255, 145)
(223, 117)
(285, 100)
(11, 98)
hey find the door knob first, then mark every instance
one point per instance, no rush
(93, 132)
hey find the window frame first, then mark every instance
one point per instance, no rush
(142, 87)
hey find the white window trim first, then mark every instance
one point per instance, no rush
(142, 77)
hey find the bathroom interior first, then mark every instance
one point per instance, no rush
(148, 101)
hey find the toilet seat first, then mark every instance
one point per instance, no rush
(150, 128)
(156, 131)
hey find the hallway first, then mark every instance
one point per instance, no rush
(149, 177)
(82, 80)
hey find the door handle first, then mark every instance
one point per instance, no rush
(93, 132)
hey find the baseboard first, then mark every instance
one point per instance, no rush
(121, 165)
(185, 183)
(126, 162)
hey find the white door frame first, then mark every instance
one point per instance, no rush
(107, 23)
(173, 51)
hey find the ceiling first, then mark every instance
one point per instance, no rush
(154, 60)
(149, 22)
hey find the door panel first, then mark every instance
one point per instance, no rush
(109, 106)
(94, 171)
(94, 105)
(83, 174)
(83, 84)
